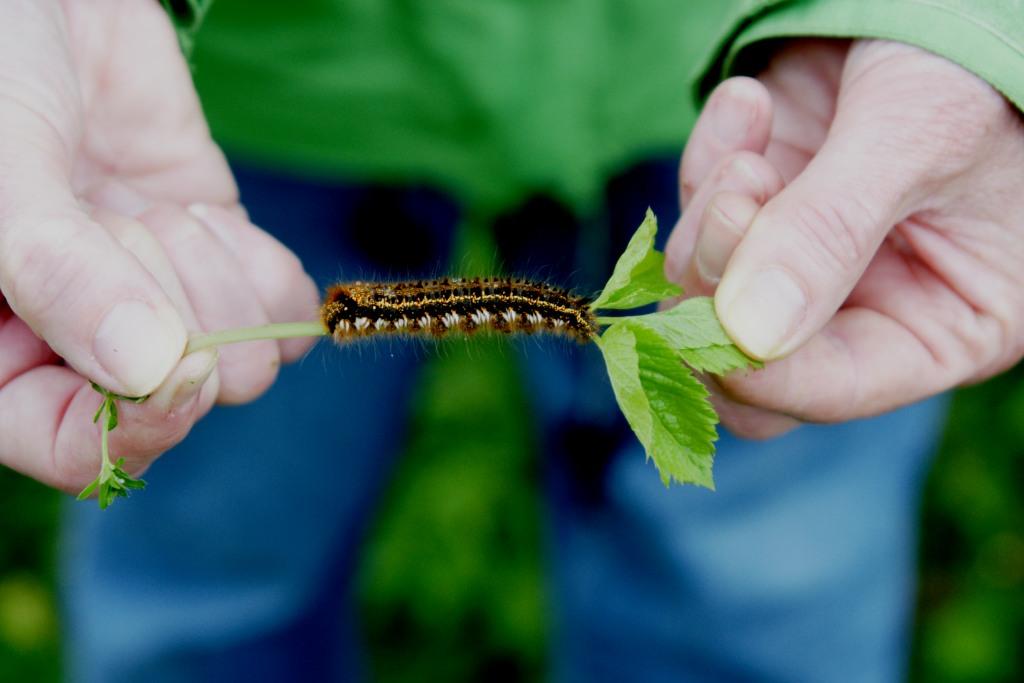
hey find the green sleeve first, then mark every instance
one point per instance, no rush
(986, 37)
(186, 15)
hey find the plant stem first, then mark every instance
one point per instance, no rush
(105, 464)
(313, 328)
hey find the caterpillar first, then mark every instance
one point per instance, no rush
(446, 306)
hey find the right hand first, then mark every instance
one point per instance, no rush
(104, 272)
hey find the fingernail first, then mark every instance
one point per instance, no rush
(718, 239)
(186, 381)
(138, 347)
(742, 169)
(734, 114)
(762, 312)
(120, 198)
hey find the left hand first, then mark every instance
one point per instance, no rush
(858, 213)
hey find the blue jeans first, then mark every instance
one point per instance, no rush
(237, 562)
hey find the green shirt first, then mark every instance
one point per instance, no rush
(494, 99)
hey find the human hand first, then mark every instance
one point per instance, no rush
(856, 212)
(103, 271)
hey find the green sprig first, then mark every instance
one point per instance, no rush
(112, 482)
(651, 360)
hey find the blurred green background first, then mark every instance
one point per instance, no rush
(451, 584)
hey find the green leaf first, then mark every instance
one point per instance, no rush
(87, 491)
(639, 275)
(716, 359)
(666, 406)
(125, 480)
(106, 393)
(111, 414)
(693, 330)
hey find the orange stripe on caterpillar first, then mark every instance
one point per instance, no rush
(447, 306)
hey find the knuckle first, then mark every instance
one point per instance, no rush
(147, 444)
(285, 274)
(755, 389)
(756, 424)
(835, 234)
(993, 342)
(45, 268)
(843, 396)
(782, 388)
(285, 286)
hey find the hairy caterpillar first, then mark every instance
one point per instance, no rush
(445, 306)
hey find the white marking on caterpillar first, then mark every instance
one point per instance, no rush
(535, 318)
(344, 325)
(481, 317)
(509, 315)
(424, 321)
(380, 324)
(558, 323)
(361, 323)
(450, 319)
(401, 323)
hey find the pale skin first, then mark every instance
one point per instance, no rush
(114, 198)
(857, 213)
(120, 233)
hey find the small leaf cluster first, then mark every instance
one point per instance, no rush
(112, 482)
(651, 359)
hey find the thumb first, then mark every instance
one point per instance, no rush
(809, 245)
(70, 280)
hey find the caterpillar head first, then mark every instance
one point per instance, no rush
(341, 299)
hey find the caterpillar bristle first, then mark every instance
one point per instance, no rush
(452, 305)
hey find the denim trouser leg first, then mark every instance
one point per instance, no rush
(799, 567)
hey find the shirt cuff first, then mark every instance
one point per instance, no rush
(981, 38)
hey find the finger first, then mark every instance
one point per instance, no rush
(738, 116)
(744, 173)
(747, 421)
(62, 274)
(274, 273)
(726, 219)
(137, 239)
(149, 429)
(802, 79)
(46, 417)
(862, 363)
(51, 436)
(90, 299)
(904, 336)
(117, 197)
(20, 349)
(220, 295)
(810, 244)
